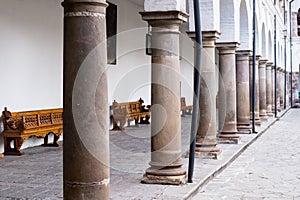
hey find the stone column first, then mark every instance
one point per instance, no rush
(273, 88)
(288, 87)
(282, 88)
(269, 88)
(166, 164)
(262, 89)
(278, 89)
(206, 143)
(257, 118)
(85, 102)
(243, 93)
(227, 93)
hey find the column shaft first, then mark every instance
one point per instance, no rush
(273, 88)
(243, 93)
(262, 89)
(85, 102)
(166, 164)
(256, 94)
(269, 88)
(279, 89)
(227, 92)
(206, 143)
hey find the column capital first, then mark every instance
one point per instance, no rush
(269, 65)
(84, 8)
(244, 52)
(227, 45)
(208, 37)
(258, 57)
(162, 18)
(243, 55)
(262, 62)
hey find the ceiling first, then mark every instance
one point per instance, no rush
(138, 2)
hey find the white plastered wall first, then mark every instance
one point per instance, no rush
(30, 56)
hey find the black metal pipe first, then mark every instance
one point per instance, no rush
(291, 51)
(195, 116)
(284, 21)
(275, 68)
(253, 67)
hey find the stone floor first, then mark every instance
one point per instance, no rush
(268, 169)
(38, 173)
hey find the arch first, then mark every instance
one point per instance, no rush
(257, 38)
(244, 27)
(263, 42)
(270, 46)
(228, 26)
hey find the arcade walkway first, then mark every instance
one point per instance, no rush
(38, 173)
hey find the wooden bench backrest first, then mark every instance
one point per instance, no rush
(38, 118)
(127, 107)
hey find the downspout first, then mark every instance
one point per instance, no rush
(291, 50)
(284, 21)
(253, 67)
(275, 66)
(195, 116)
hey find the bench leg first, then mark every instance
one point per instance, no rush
(145, 120)
(136, 121)
(115, 126)
(17, 145)
(55, 141)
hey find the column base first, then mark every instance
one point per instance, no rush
(244, 129)
(212, 152)
(257, 119)
(264, 118)
(257, 122)
(206, 152)
(228, 138)
(165, 176)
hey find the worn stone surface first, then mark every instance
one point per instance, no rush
(38, 173)
(268, 169)
(269, 88)
(85, 126)
(227, 90)
(206, 143)
(243, 93)
(262, 89)
(165, 94)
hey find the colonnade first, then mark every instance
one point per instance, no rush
(86, 138)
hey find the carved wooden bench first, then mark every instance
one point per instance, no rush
(185, 110)
(19, 126)
(129, 111)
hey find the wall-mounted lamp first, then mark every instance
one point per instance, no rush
(148, 41)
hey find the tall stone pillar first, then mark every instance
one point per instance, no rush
(282, 88)
(273, 88)
(278, 89)
(269, 88)
(227, 92)
(206, 142)
(166, 163)
(256, 101)
(262, 89)
(243, 92)
(287, 88)
(85, 102)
